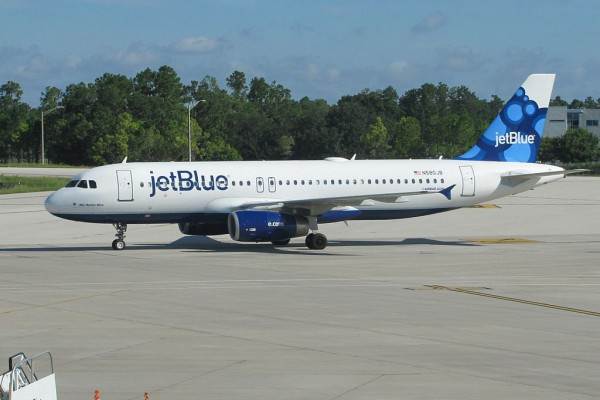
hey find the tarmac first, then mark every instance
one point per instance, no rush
(494, 302)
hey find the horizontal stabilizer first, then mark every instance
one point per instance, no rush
(522, 176)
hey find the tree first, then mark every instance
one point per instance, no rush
(237, 83)
(550, 149)
(589, 102)
(575, 104)
(406, 138)
(374, 142)
(14, 121)
(579, 145)
(557, 101)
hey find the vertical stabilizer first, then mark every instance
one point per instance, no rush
(516, 133)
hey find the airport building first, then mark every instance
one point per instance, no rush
(561, 118)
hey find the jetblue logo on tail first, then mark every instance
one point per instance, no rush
(185, 181)
(514, 138)
(516, 133)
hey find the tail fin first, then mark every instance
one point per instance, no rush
(516, 132)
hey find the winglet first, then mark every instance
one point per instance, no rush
(447, 192)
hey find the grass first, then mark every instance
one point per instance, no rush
(25, 184)
(38, 165)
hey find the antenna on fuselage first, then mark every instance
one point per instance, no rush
(353, 157)
(124, 160)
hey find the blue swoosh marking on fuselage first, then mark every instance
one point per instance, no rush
(328, 217)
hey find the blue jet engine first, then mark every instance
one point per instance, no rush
(265, 226)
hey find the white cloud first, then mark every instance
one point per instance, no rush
(397, 68)
(430, 23)
(198, 44)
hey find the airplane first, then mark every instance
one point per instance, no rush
(275, 201)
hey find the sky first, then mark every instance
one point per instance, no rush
(320, 49)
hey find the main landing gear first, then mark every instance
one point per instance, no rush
(119, 242)
(316, 241)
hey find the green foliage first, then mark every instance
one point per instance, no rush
(145, 118)
(575, 146)
(374, 142)
(25, 184)
(579, 145)
(406, 138)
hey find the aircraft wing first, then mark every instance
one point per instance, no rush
(316, 206)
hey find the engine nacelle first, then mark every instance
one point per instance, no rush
(203, 229)
(265, 226)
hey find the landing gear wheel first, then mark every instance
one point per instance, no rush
(119, 242)
(283, 242)
(308, 240)
(316, 241)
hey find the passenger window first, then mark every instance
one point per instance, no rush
(332, 181)
(241, 183)
(340, 181)
(427, 180)
(287, 182)
(377, 181)
(406, 181)
(362, 181)
(369, 181)
(302, 181)
(354, 181)
(413, 181)
(247, 183)
(347, 181)
(318, 181)
(420, 180)
(383, 181)
(434, 180)
(82, 184)
(94, 186)
(398, 181)
(71, 184)
(442, 180)
(280, 183)
(310, 182)
(295, 182)
(232, 183)
(324, 181)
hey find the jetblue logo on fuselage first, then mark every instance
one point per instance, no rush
(514, 138)
(185, 181)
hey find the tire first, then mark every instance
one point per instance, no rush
(319, 241)
(283, 242)
(308, 240)
(118, 244)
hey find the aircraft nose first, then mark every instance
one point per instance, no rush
(52, 203)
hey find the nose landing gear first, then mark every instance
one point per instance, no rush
(119, 242)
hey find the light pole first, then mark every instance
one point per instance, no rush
(43, 148)
(190, 106)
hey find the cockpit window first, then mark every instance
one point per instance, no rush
(82, 184)
(93, 185)
(71, 183)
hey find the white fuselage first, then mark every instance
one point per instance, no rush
(207, 191)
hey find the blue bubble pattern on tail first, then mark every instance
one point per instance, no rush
(514, 135)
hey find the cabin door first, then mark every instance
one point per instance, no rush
(468, 181)
(125, 185)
